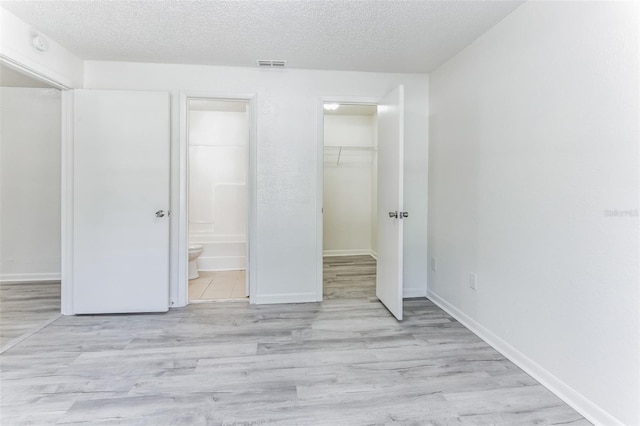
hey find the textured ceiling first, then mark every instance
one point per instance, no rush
(359, 35)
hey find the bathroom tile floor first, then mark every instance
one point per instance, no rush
(218, 285)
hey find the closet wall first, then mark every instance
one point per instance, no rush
(30, 184)
(349, 185)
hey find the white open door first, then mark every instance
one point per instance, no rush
(121, 202)
(390, 208)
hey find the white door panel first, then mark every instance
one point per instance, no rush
(390, 187)
(121, 178)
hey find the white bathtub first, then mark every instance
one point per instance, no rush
(220, 253)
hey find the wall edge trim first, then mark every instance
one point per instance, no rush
(33, 277)
(269, 299)
(591, 411)
(351, 252)
(410, 292)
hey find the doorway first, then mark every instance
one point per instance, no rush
(349, 201)
(388, 151)
(30, 200)
(218, 135)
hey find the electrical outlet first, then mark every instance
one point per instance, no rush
(473, 281)
(434, 264)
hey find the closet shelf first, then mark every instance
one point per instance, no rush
(352, 148)
(218, 146)
(349, 148)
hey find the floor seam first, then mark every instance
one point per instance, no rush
(20, 339)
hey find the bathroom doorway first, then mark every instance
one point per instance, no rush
(349, 201)
(218, 135)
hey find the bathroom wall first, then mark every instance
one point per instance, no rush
(217, 187)
(29, 184)
(349, 190)
(534, 187)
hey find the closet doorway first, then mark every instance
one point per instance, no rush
(30, 203)
(350, 190)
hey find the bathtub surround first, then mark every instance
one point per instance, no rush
(218, 150)
(30, 126)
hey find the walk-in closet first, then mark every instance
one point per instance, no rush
(349, 200)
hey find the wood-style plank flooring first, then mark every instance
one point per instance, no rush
(349, 277)
(25, 307)
(345, 361)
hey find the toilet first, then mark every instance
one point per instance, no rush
(195, 250)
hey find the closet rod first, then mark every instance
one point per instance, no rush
(219, 146)
(352, 148)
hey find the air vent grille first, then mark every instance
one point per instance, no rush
(271, 63)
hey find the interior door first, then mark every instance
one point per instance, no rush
(390, 208)
(121, 202)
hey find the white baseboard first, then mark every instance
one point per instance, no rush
(355, 252)
(221, 263)
(237, 268)
(35, 277)
(573, 398)
(413, 292)
(269, 299)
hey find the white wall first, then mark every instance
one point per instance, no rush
(348, 185)
(218, 145)
(29, 184)
(534, 146)
(56, 64)
(287, 141)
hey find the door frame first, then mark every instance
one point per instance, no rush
(181, 298)
(352, 100)
(66, 176)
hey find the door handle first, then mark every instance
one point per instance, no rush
(160, 213)
(404, 214)
(393, 214)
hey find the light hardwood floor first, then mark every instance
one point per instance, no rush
(345, 361)
(25, 307)
(349, 277)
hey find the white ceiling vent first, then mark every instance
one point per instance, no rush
(271, 63)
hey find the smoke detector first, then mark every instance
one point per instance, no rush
(40, 43)
(271, 63)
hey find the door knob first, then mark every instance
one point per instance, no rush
(393, 214)
(160, 213)
(404, 214)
